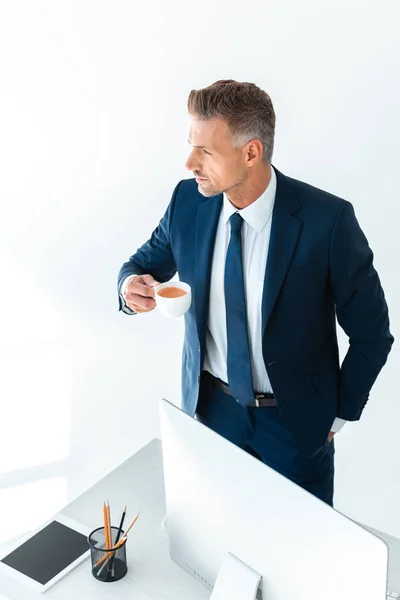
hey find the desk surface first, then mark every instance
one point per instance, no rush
(139, 483)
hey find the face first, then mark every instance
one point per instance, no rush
(217, 165)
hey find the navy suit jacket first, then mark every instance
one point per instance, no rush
(319, 267)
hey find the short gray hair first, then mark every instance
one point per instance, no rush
(246, 108)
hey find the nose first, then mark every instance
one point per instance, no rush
(192, 164)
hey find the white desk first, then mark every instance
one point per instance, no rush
(139, 483)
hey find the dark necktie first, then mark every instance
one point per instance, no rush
(238, 362)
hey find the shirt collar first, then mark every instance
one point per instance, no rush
(258, 212)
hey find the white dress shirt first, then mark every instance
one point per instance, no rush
(256, 231)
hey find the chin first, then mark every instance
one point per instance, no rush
(208, 192)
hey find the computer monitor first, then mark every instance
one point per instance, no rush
(233, 522)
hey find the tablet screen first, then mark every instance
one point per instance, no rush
(48, 552)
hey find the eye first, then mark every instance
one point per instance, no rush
(205, 152)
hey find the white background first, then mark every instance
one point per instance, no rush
(93, 130)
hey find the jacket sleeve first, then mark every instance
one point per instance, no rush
(361, 311)
(154, 257)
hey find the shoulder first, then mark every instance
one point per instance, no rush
(312, 197)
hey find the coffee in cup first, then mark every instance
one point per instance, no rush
(172, 292)
(173, 299)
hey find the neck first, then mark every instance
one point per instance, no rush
(251, 189)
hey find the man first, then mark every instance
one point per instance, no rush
(271, 261)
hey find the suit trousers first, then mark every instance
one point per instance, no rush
(261, 432)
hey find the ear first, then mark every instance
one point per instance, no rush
(253, 152)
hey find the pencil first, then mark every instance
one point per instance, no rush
(109, 525)
(131, 525)
(119, 543)
(121, 524)
(105, 518)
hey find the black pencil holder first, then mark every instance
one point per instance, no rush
(107, 565)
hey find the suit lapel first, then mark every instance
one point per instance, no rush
(207, 219)
(285, 231)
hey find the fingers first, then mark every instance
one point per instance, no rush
(140, 289)
(142, 302)
(139, 294)
(143, 285)
(150, 281)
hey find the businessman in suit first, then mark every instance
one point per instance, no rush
(272, 262)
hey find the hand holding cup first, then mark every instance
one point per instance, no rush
(139, 293)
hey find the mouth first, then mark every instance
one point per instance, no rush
(200, 179)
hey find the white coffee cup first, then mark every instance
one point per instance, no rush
(173, 307)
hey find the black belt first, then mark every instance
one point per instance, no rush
(260, 400)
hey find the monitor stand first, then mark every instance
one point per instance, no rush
(235, 581)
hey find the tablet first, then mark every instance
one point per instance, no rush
(48, 554)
